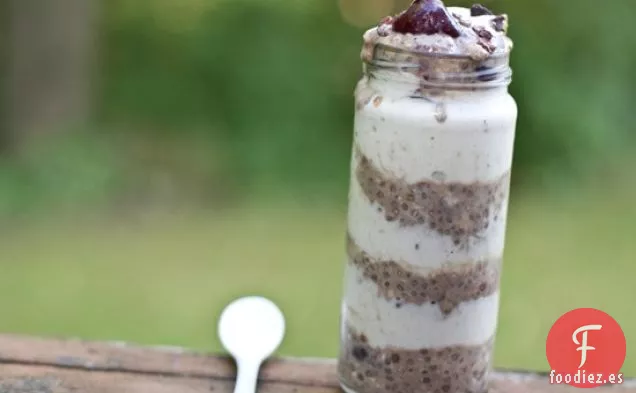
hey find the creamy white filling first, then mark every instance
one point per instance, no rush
(415, 326)
(384, 240)
(403, 137)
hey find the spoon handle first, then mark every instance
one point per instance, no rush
(247, 376)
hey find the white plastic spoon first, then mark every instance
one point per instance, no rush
(251, 329)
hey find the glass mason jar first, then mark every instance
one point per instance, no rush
(428, 200)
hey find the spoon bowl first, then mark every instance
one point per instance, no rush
(251, 329)
(251, 326)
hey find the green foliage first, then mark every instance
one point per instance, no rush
(77, 170)
(261, 81)
(273, 85)
(574, 82)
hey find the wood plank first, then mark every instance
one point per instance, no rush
(158, 360)
(61, 366)
(46, 379)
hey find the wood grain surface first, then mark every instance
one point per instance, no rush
(30, 365)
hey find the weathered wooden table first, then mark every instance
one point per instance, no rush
(30, 365)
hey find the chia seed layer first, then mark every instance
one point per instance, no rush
(364, 368)
(446, 287)
(459, 210)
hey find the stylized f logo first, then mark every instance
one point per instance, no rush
(583, 344)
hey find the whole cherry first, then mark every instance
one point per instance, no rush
(427, 17)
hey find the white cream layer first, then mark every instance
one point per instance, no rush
(415, 326)
(402, 136)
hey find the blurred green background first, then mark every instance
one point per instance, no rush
(160, 158)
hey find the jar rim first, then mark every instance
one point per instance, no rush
(439, 69)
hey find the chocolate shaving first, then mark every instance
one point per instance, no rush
(479, 10)
(483, 33)
(499, 23)
(490, 48)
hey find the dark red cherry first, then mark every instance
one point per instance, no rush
(427, 17)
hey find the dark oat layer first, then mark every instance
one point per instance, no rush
(459, 210)
(446, 287)
(455, 369)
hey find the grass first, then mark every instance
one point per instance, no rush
(163, 279)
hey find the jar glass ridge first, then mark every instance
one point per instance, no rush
(436, 71)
